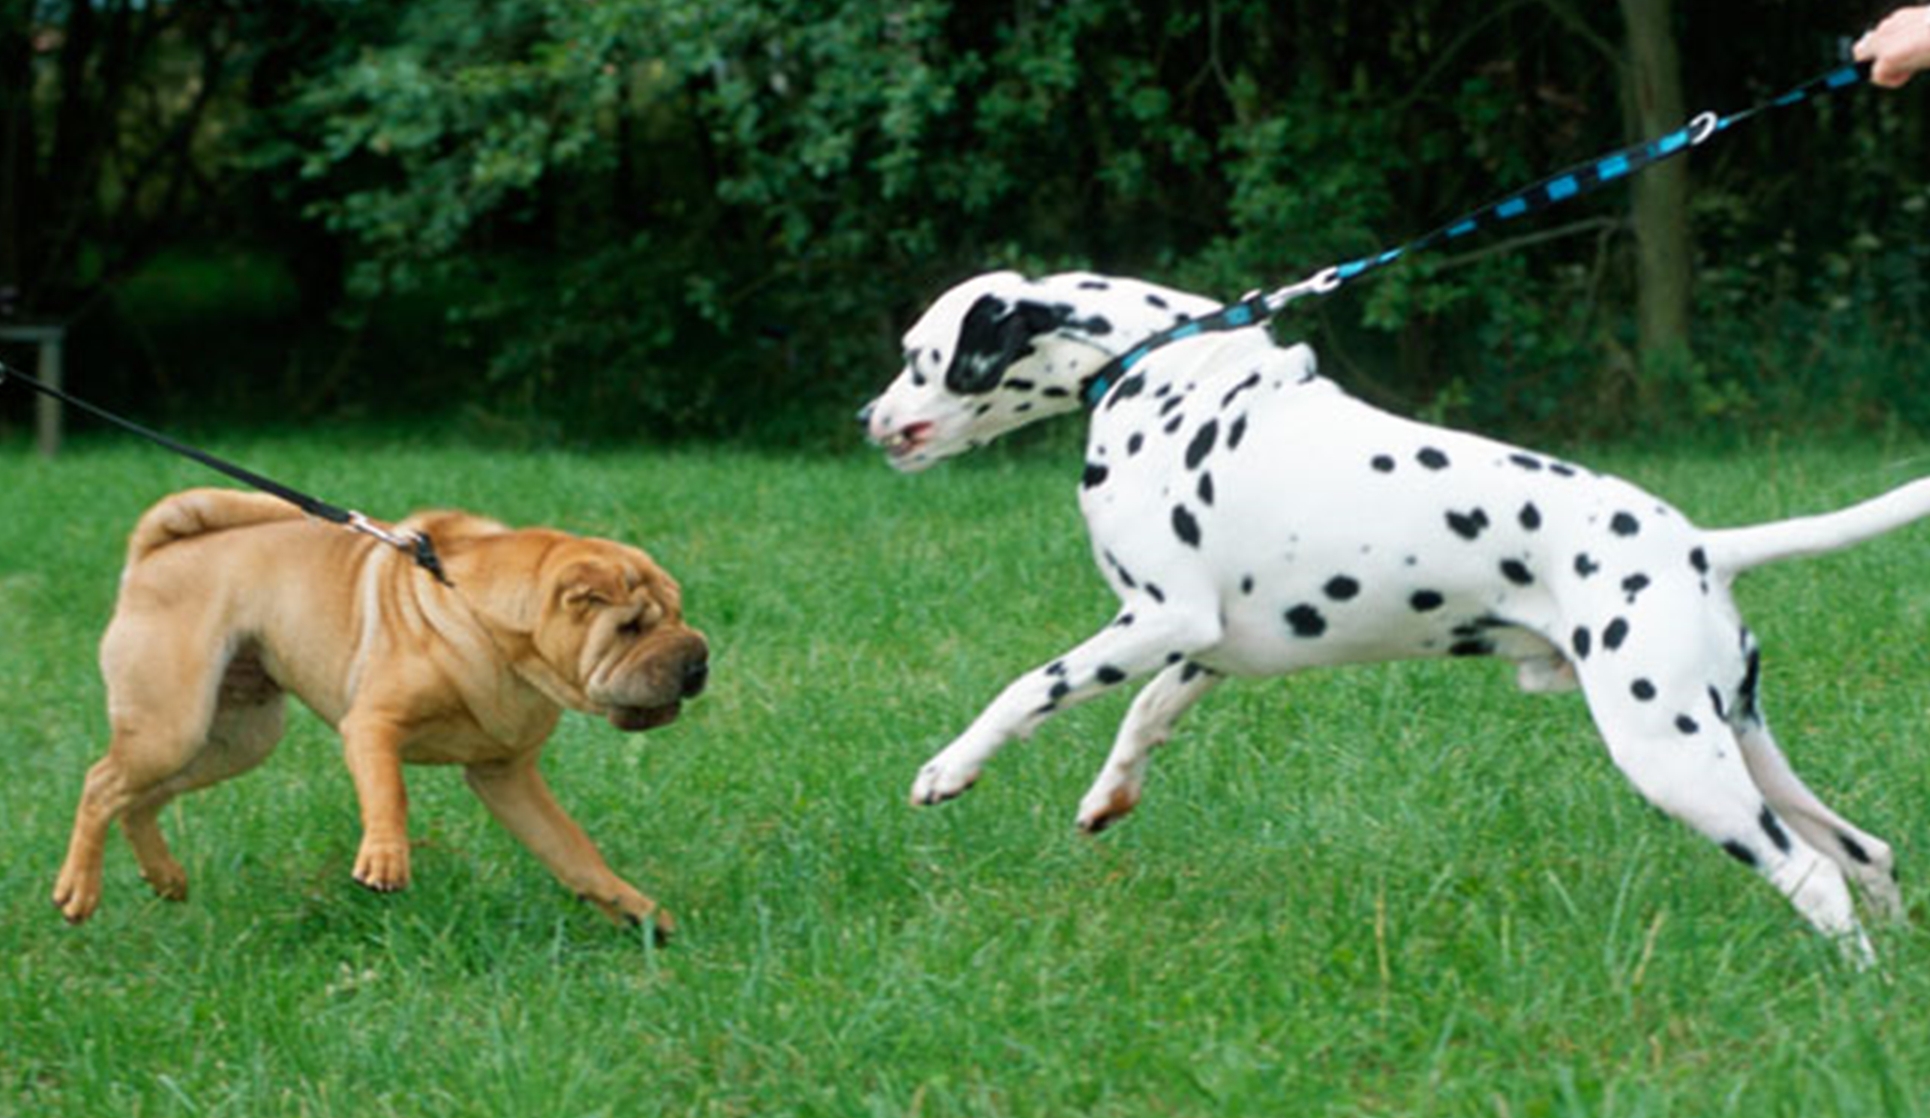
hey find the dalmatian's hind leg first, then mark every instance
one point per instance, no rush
(1149, 725)
(1867, 860)
(1687, 762)
(1135, 644)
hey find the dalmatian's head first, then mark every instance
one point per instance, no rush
(992, 354)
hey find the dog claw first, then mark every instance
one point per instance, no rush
(1116, 805)
(928, 792)
(662, 928)
(377, 885)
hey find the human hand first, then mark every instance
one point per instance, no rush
(1899, 46)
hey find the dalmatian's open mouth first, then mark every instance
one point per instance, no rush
(907, 440)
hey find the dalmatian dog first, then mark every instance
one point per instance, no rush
(1254, 520)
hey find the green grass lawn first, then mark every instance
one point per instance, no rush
(1401, 890)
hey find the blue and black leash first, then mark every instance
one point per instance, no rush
(416, 544)
(1259, 307)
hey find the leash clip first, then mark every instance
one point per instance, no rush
(1703, 126)
(1320, 283)
(417, 544)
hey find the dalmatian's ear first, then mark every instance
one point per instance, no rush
(994, 334)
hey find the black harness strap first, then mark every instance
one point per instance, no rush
(1559, 187)
(417, 544)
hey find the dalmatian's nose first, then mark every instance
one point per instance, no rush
(864, 414)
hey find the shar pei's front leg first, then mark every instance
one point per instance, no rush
(520, 799)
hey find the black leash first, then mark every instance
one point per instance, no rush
(1258, 307)
(417, 544)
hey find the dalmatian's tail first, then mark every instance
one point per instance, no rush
(1735, 550)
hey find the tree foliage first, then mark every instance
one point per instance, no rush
(703, 217)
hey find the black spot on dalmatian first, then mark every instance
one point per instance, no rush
(1168, 407)
(1773, 827)
(1206, 489)
(1095, 475)
(1623, 524)
(1517, 572)
(1699, 560)
(1426, 601)
(1102, 285)
(1642, 689)
(1740, 853)
(1715, 700)
(1175, 423)
(1633, 585)
(1018, 384)
(1252, 381)
(1057, 667)
(1751, 679)
(1055, 392)
(1383, 463)
(1125, 576)
(1526, 461)
(1585, 566)
(1155, 301)
(1464, 648)
(1560, 469)
(1185, 526)
(993, 335)
(1686, 724)
(1341, 588)
(1431, 458)
(1123, 621)
(1060, 690)
(1468, 525)
(1615, 634)
(1853, 848)
(1155, 593)
(1235, 433)
(1246, 585)
(1530, 517)
(1109, 675)
(1202, 444)
(1305, 621)
(1581, 642)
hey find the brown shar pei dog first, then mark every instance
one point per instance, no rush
(230, 600)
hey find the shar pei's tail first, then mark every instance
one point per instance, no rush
(198, 512)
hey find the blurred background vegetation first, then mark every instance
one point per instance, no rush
(582, 221)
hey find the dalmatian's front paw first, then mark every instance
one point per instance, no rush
(1107, 803)
(938, 782)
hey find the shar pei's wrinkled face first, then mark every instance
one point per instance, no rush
(612, 624)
